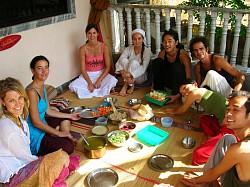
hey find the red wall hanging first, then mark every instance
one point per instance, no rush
(9, 41)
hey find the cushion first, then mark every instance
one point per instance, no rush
(59, 103)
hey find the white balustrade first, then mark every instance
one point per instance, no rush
(149, 18)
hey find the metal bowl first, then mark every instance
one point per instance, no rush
(127, 126)
(188, 142)
(96, 148)
(135, 147)
(117, 121)
(118, 138)
(134, 101)
(108, 99)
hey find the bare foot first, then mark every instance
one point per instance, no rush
(124, 89)
(131, 89)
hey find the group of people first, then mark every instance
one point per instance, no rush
(31, 140)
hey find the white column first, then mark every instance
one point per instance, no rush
(236, 39)
(129, 25)
(111, 10)
(212, 31)
(138, 18)
(224, 35)
(158, 31)
(190, 25)
(120, 15)
(246, 47)
(202, 22)
(148, 34)
(167, 19)
(178, 23)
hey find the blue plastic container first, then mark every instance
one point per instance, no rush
(152, 135)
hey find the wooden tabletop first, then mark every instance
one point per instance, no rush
(132, 168)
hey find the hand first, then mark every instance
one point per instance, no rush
(169, 111)
(98, 84)
(91, 87)
(173, 98)
(189, 179)
(130, 81)
(75, 116)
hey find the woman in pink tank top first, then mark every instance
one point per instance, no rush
(95, 64)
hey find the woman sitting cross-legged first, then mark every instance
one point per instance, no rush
(95, 64)
(52, 133)
(18, 167)
(133, 63)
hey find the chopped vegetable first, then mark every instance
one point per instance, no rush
(118, 137)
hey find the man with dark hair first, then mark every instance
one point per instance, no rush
(213, 70)
(230, 159)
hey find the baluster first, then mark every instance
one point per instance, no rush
(224, 35)
(138, 17)
(246, 47)
(178, 23)
(167, 19)
(212, 31)
(148, 33)
(129, 25)
(202, 22)
(190, 25)
(120, 15)
(236, 39)
(158, 31)
(111, 10)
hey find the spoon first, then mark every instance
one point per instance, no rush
(84, 139)
(113, 106)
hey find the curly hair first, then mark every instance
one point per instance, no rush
(197, 39)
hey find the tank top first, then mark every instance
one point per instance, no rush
(175, 73)
(94, 63)
(214, 104)
(231, 179)
(36, 135)
(230, 79)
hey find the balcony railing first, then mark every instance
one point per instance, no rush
(154, 19)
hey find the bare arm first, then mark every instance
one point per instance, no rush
(107, 66)
(231, 159)
(83, 69)
(35, 118)
(185, 60)
(197, 72)
(221, 63)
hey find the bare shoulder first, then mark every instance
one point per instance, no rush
(184, 54)
(161, 54)
(81, 49)
(219, 61)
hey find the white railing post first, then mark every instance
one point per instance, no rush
(178, 23)
(137, 17)
(236, 39)
(148, 33)
(129, 25)
(202, 23)
(224, 35)
(158, 31)
(212, 31)
(246, 47)
(167, 19)
(190, 25)
(111, 10)
(120, 15)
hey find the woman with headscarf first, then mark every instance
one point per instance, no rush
(133, 62)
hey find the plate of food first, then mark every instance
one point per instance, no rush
(86, 113)
(158, 97)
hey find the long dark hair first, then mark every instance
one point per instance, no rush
(175, 35)
(35, 60)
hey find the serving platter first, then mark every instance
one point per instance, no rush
(86, 113)
(160, 162)
(102, 177)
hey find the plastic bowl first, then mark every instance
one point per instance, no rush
(101, 121)
(166, 121)
(118, 138)
(188, 142)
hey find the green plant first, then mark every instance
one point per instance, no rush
(234, 4)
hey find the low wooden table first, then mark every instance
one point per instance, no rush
(132, 168)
